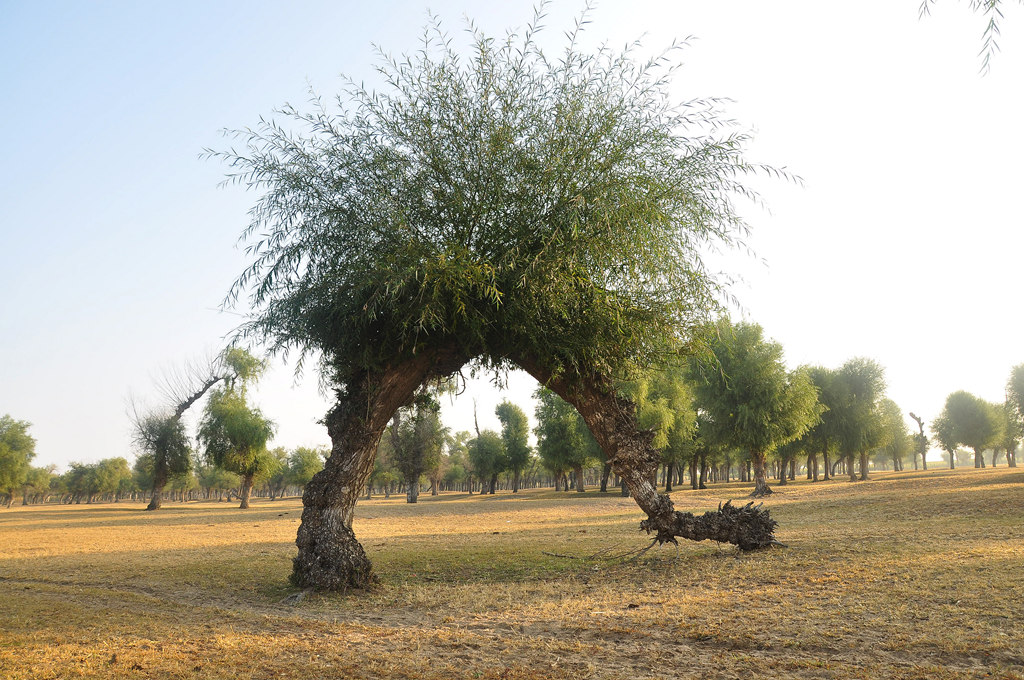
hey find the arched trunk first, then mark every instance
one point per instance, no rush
(612, 420)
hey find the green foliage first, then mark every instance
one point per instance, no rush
(895, 441)
(303, 463)
(234, 435)
(970, 421)
(992, 11)
(664, 401)
(1015, 391)
(859, 390)
(37, 480)
(17, 449)
(417, 438)
(1011, 429)
(506, 204)
(166, 449)
(749, 399)
(487, 455)
(88, 480)
(563, 440)
(243, 367)
(213, 478)
(515, 435)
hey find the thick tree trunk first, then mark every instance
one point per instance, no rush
(605, 473)
(578, 473)
(159, 482)
(669, 470)
(612, 420)
(761, 487)
(412, 490)
(245, 492)
(979, 458)
(851, 469)
(330, 557)
(863, 466)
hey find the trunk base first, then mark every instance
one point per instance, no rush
(338, 564)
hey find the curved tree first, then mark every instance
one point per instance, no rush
(504, 208)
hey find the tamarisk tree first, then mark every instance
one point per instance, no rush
(749, 398)
(501, 207)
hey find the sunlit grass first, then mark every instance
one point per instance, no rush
(914, 575)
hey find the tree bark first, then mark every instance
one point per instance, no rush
(412, 489)
(863, 466)
(330, 557)
(612, 420)
(851, 469)
(605, 473)
(246, 492)
(761, 487)
(578, 474)
(159, 482)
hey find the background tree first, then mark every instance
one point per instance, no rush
(895, 442)
(276, 472)
(417, 439)
(303, 463)
(36, 485)
(1011, 434)
(749, 398)
(563, 441)
(213, 479)
(860, 387)
(234, 435)
(488, 458)
(111, 476)
(664, 402)
(920, 443)
(942, 428)
(515, 434)
(973, 422)
(1015, 402)
(159, 433)
(17, 449)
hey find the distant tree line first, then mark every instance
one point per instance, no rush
(731, 413)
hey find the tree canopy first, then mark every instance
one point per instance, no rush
(506, 203)
(17, 449)
(749, 399)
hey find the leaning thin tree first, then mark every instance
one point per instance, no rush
(504, 210)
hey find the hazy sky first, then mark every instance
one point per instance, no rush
(117, 246)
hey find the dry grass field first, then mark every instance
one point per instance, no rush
(915, 575)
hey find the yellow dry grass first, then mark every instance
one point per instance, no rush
(912, 575)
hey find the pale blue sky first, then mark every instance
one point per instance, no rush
(116, 246)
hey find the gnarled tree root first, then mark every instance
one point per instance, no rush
(747, 526)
